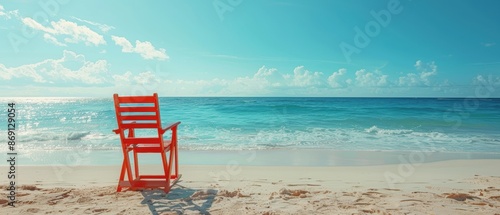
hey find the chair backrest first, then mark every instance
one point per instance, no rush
(138, 112)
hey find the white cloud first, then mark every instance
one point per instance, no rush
(411, 79)
(123, 79)
(302, 77)
(26, 71)
(146, 78)
(265, 72)
(269, 76)
(423, 76)
(148, 82)
(370, 79)
(139, 82)
(334, 79)
(76, 33)
(263, 82)
(103, 27)
(51, 39)
(4, 73)
(489, 83)
(2, 13)
(418, 64)
(145, 49)
(124, 43)
(73, 70)
(58, 71)
(35, 25)
(8, 14)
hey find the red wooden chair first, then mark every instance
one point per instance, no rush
(142, 113)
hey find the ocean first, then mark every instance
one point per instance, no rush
(49, 128)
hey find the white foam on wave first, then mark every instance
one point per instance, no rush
(369, 139)
(375, 130)
(373, 138)
(45, 139)
(77, 135)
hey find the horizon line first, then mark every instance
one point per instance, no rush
(361, 97)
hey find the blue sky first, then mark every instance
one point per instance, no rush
(250, 48)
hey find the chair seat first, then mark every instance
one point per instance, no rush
(149, 148)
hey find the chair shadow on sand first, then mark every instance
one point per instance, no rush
(179, 200)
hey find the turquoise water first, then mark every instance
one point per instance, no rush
(341, 124)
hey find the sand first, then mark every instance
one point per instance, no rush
(444, 187)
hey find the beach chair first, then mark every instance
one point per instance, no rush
(141, 114)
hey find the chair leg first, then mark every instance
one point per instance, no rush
(173, 152)
(128, 168)
(122, 176)
(136, 165)
(166, 169)
(176, 161)
(171, 157)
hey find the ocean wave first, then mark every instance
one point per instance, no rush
(60, 138)
(373, 138)
(77, 135)
(375, 130)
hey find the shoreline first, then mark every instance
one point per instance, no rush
(106, 175)
(444, 187)
(267, 157)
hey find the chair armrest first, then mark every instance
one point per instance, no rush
(131, 133)
(117, 131)
(170, 127)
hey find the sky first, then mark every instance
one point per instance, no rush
(326, 48)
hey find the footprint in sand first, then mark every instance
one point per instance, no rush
(84, 199)
(202, 194)
(30, 187)
(374, 195)
(236, 193)
(97, 210)
(495, 198)
(411, 200)
(459, 196)
(58, 198)
(293, 193)
(33, 210)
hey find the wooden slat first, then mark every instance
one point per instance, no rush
(140, 125)
(142, 140)
(137, 109)
(139, 122)
(139, 117)
(152, 177)
(150, 150)
(136, 99)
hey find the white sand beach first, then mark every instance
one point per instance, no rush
(444, 187)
